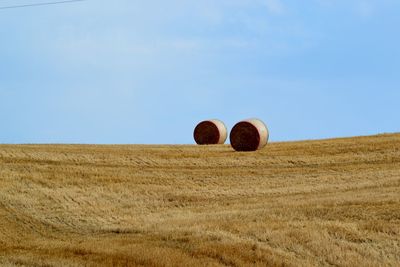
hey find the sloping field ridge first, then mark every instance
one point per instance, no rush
(311, 203)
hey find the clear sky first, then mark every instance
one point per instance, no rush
(127, 71)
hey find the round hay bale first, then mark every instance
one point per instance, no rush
(210, 132)
(249, 135)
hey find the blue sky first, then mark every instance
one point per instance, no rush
(128, 71)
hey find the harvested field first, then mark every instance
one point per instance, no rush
(327, 202)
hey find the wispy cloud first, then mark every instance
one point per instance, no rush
(275, 6)
(365, 8)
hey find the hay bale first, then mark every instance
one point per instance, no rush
(210, 132)
(249, 135)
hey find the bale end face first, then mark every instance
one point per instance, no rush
(249, 135)
(210, 132)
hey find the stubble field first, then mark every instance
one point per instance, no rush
(312, 203)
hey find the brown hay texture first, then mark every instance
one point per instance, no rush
(210, 132)
(249, 135)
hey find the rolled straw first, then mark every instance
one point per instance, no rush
(210, 132)
(249, 135)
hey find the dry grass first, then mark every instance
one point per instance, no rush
(330, 202)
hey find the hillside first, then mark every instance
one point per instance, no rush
(326, 202)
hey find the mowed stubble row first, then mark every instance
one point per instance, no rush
(326, 202)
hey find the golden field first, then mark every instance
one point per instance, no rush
(311, 203)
